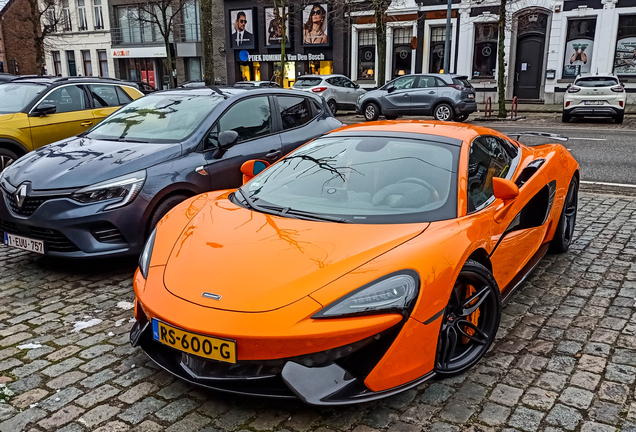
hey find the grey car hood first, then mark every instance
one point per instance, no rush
(78, 162)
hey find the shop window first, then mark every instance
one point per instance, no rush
(246, 73)
(103, 63)
(366, 55)
(321, 67)
(289, 78)
(485, 53)
(294, 111)
(57, 63)
(402, 51)
(194, 69)
(257, 71)
(436, 49)
(578, 47)
(88, 65)
(70, 59)
(625, 56)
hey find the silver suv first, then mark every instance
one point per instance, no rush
(339, 91)
(446, 97)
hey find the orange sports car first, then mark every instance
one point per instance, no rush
(360, 265)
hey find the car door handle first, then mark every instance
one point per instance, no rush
(273, 154)
(406, 94)
(86, 123)
(431, 92)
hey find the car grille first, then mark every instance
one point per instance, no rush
(107, 233)
(54, 241)
(30, 205)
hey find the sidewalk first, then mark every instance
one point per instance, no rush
(541, 108)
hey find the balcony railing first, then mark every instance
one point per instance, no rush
(187, 33)
(136, 35)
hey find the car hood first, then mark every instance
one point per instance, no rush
(258, 262)
(78, 162)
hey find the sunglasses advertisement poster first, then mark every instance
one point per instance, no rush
(274, 27)
(243, 29)
(315, 24)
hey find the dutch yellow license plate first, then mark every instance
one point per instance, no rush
(203, 346)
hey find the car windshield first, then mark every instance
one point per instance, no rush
(157, 118)
(596, 82)
(307, 82)
(363, 179)
(15, 97)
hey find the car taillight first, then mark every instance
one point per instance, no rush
(567, 104)
(573, 89)
(618, 89)
(458, 87)
(318, 89)
(620, 103)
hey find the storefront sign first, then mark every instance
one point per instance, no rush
(290, 57)
(145, 52)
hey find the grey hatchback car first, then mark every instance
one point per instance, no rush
(102, 192)
(446, 97)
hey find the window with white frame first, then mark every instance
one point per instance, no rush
(402, 51)
(436, 48)
(98, 16)
(82, 23)
(366, 55)
(66, 17)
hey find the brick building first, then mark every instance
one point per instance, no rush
(17, 51)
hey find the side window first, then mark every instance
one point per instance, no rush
(104, 95)
(250, 118)
(333, 82)
(66, 99)
(427, 81)
(294, 111)
(123, 96)
(404, 83)
(487, 159)
(347, 83)
(440, 83)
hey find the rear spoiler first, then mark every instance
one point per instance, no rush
(539, 134)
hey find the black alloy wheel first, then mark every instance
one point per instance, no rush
(470, 321)
(333, 106)
(565, 229)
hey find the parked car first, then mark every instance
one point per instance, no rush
(35, 111)
(192, 84)
(256, 84)
(102, 192)
(4, 77)
(446, 97)
(595, 95)
(339, 91)
(347, 272)
(145, 88)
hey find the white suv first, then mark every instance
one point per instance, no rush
(598, 95)
(339, 91)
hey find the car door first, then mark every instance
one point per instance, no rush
(397, 100)
(299, 121)
(73, 115)
(257, 128)
(337, 89)
(514, 239)
(351, 91)
(107, 99)
(424, 95)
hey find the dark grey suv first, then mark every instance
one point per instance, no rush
(100, 193)
(446, 97)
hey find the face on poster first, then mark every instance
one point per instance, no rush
(315, 28)
(274, 26)
(242, 25)
(625, 58)
(578, 56)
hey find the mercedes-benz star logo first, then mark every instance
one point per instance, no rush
(20, 195)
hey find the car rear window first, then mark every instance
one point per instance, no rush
(462, 82)
(307, 82)
(596, 82)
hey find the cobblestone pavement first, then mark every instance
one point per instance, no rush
(565, 357)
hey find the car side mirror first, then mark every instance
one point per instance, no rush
(357, 86)
(227, 139)
(504, 189)
(569, 85)
(43, 110)
(252, 168)
(390, 88)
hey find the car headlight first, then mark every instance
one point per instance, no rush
(124, 188)
(394, 292)
(144, 258)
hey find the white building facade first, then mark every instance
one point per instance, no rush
(547, 43)
(81, 43)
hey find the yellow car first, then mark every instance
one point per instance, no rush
(35, 111)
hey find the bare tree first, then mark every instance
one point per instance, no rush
(163, 15)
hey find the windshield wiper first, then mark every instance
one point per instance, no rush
(288, 212)
(123, 140)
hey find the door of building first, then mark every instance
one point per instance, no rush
(529, 66)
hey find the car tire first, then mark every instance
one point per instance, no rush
(371, 111)
(461, 117)
(567, 220)
(565, 118)
(390, 117)
(619, 118)
(7, 157)
(333, 106)
(468, 326)
(444, 112)
(162, 208)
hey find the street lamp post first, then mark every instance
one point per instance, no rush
(447, 42)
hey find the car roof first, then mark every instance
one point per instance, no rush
(45, 79)
(462, 131)
(602, 75)
(322, 76)
(228, 91)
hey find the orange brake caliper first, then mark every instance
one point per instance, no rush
(473, 317)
